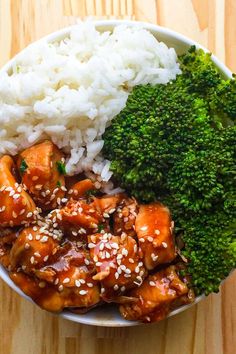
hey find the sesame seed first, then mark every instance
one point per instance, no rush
(32, 260)
(27, 246)
(101, 246)
(95, 258)
(115, 245)
(116, 275)
(77, 283)
(66, 280)
(90, 285)
(122, 288)
(44, 239)
(164, 244)
(35, 228)
(98, 264)
(119, 271)
(83, 292)
(16, 196)
(86, 261)
(12, 192)
(139, 278)
(141, 240)
(112, 210)
(80, 210)
(56, 281)
(60, 287)
(124, 252)
(157, 232)
(70, 191)
(106, 215)
(82, 281)
(64, 200)
(131, 260)
(152, 283)
(140, 264)
(14, 214)
(29, 215)
(143, 228)
(74, 233)
(42, 284)
(119, 256)
(102, 290)
(59, 201)
(30, 237)
(37, 254)
(150, 239)
(115, 287)
(127, 275)
(38, 186)
(108, 255)
(91, 245)
(137, 269)
(74, 213)
(123, 267)
(37, 237)
(127, 271)
(141, 273)
(63, 188)
(45, 258)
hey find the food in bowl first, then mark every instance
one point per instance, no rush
(153, 135)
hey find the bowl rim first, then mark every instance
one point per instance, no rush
(108, 25)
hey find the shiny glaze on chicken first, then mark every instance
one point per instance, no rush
(70, 246)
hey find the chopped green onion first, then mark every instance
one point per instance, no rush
(91, 192)
(61, 167)
(100, 227)
(58, 184)
(23, 166)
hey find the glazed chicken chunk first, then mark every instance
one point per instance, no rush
(32, 249)
(16, 206)
(118, 264)
(42, 171)
(63, 280)
(153, 300)
(154, 230)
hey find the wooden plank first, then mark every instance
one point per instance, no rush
(210, 326)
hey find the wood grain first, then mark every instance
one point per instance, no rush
(209, 327)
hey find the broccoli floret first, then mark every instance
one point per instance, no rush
(176, 143)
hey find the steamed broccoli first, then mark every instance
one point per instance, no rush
(176, 143)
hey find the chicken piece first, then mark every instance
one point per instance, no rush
(16, 206)
(65, 281)
(32, 249)
(118, 264)
(124, 217)
(7, 237)
(107, 204)
(155, 296)
(81, 189)
(153, 226)
(78, 218)
(42, 168)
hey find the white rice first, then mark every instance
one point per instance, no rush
(69, 91)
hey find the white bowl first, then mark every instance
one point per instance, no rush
(109, 315)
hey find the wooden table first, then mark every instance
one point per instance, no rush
(209, 327)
